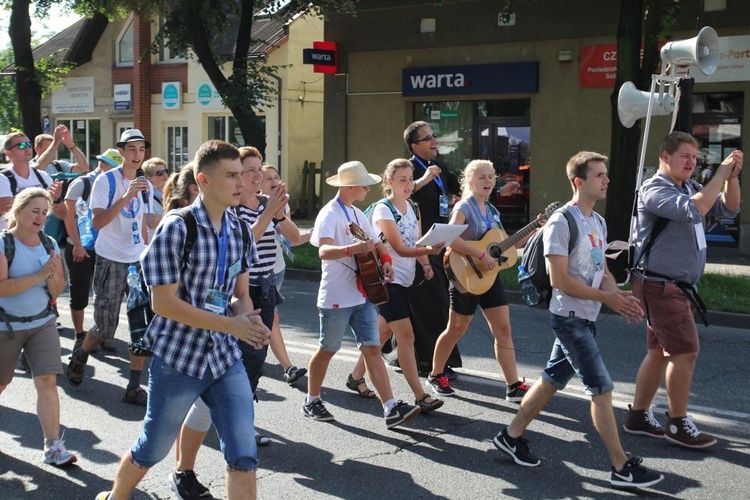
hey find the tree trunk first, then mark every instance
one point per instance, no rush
(624, 151)
(27, 85)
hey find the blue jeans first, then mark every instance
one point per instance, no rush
(170, 396)
(363, 320)
(575, 353)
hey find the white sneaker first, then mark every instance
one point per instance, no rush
(58, 454)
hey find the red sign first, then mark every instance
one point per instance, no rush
(328, 68)
(597, 66)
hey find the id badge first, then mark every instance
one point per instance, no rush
(216, 302)
(444, 211)
(234, 269)
(136, 234)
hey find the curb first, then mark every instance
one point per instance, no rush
(715, 318)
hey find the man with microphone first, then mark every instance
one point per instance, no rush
(121, 201)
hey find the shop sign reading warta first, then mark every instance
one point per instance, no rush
(475, 79)
(598, 64)
(74, 96)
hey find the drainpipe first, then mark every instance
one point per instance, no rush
(278, 112)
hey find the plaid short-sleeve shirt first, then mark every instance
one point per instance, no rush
(187, 349)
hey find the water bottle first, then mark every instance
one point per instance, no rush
(86, 231)
(139, 313)
(528, 290)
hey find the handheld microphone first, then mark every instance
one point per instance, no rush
(139, 175)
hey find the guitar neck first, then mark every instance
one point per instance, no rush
(511, 241)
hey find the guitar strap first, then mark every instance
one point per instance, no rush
(360, 284)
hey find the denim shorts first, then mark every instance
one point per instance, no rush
(575, 353)
(170, 396)
(363, 320)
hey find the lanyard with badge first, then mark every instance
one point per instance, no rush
(443, 200)
(131, 213)
(597, 251)
(217, 299)
(487, 217)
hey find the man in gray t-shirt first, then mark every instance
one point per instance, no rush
(581, 283)
(665, 277)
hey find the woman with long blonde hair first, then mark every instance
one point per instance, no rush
(477, 212)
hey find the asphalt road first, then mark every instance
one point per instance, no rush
(448, 454)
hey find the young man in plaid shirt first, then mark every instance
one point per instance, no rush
(197, 355)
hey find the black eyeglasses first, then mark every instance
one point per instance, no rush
(22, 145)
(425, 139)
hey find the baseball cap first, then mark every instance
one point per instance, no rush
(110, 157)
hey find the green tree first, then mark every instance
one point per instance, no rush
(32, 79)
(200, 28)
(10, 118)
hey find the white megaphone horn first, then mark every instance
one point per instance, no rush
(632, 104)
(701, 51)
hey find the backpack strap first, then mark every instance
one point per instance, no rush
(8, 172)
(192, 232)
(39, 177)
(86, 188)
(57, 166)
(10, 247)
(112, 185)
(572, 229)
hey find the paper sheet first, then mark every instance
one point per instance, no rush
(441, 233)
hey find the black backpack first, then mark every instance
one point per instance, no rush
(10, 252)
(533, 258)
(191, 225)
(8, 172)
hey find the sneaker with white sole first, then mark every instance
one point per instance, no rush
(683, 431)
(515, 393)
(517, 448)
(634, 475)
(400, 414)
(317, 411)
(440, 386)
(57, 454)
(642, 423)
(186, 486)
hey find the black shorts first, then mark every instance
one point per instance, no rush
(80, 275)
(397, 306)
(466, 303)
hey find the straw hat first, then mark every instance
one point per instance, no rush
(353, 173)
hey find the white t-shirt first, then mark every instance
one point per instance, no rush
(31, 181)
(338, 282)
(581, 264)
(116, 240)
(408, 228)
(75, 190)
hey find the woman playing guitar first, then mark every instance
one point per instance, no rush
(474, 210)
(401, 229)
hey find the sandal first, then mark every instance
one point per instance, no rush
(75, 370)
(137, 396)
(428, 406)
(354, 386)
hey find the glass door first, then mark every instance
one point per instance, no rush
(507, 144)
(177, 147)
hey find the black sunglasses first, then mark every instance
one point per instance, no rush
(425, 139)
(22, 145)
(161, 172)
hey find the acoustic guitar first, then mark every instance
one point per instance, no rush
(369, 270)
(465, 271)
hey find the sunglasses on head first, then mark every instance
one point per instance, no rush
(428, 138)
(22, 145)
